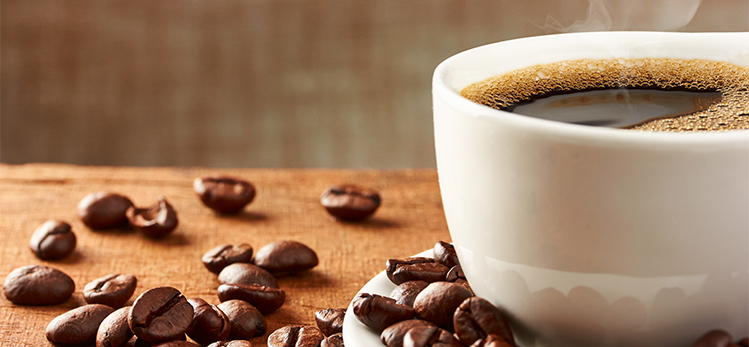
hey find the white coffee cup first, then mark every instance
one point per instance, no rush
(591, 236)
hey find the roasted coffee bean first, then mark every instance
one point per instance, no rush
(295, 336)
(265, 299)
(406, 292)
(104, 210)
(38, 285)
(379, 312)
(143, 343)
(335, 340)
(177, 343)
(393, 335)
(246, 320)
(350, 202)
(491, 341)
(234, 343)
(286, 257)
(417, 268)
(112, 290)
(53, 240)
(160, 314)
(224, 194)
(424, 336)
(220, 256)
(476, 318)
(714, 338)
(209, 323)
(113, 330)
(155, 221)
(444, 253)
(77, 326)
(243, 273)
(330, 320)
(438, 301)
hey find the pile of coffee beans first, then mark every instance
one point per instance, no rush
(432, 305)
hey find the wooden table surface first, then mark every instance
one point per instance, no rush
(286, 207)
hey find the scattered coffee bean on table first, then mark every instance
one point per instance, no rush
(379, 312)
(223, 194)
(113, 330)
(297, 336)
(155, 221)
(286, 257)
(38, 285)
(113, 290)
(393, 335)
(416, 268)
(217, 258)
(53, 240)
(246, 320)
(104, 210)
(209, 323)
(335, 340)
(330, 320)
(427, 336)
(243, 273)
(350, 202)
(160, 314)
(265, 299)
(476, 318)
(233, 343)
(77, 326)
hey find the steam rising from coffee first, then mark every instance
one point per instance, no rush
(650, 15)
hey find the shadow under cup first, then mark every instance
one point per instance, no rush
(590, 236)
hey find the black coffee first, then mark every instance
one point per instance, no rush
(643, 94)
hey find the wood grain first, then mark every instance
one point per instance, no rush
(409, 221)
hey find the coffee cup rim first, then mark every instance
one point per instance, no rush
(441, 86)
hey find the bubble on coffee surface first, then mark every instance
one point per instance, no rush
(729, 112)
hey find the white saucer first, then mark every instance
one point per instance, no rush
(355, 333)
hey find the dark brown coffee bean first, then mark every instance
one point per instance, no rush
(286, 257)
(177, 343)
(438, 301)
(406, 292)
(220, 256)
(77, 326)
(143, 343)
(295, 336)
(492, 341)
(444, 253)
(330, 320)
(112, 290)
(456, 275)
(234, 343)
(379, 312)
(113, 330)
(53, 240)
(350, 202)
(335, 340)
(160, 314)
(265, 299)
(243, 273)
(246, 320)
(425, 336)
(393, 335)
(155, 221)
(744, 342)
(417, 268)
(476, 318)
(38, 285)
(714, 338)
(209, 323)
(104, 210)
(224, 194)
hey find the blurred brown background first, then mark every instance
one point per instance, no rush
(256, 83)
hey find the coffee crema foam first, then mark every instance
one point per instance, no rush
(731, 112)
